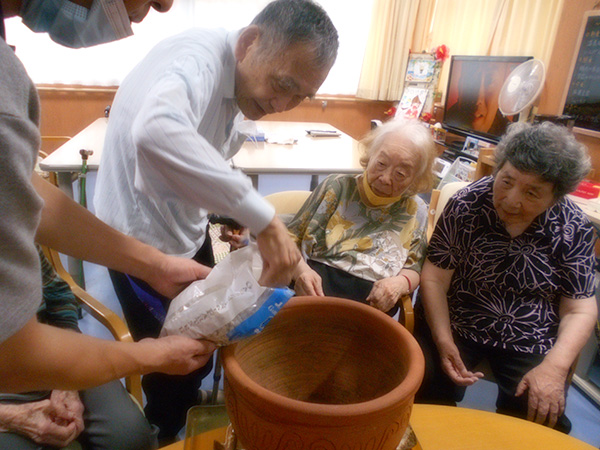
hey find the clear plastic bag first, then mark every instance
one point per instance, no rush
(229, 304)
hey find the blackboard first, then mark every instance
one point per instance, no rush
(583, 97)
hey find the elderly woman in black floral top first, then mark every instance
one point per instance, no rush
(509, 278)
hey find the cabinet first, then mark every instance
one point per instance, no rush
(485, 163)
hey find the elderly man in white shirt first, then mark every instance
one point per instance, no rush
(175, 122)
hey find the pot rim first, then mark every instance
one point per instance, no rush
(406, 389)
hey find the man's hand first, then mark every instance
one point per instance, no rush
(174, 355)
(386, 293)
(279, 254)
(37, 421)
(454, 366)
(169, 275)
(546, 398)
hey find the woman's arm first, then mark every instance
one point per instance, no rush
(435, 283)
(546, 382)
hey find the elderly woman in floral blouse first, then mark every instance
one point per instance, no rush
(509, 278)
(362, 236)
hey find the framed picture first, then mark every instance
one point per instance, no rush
(421, 68)
(412, 102)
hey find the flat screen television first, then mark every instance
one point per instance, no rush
(474, 84)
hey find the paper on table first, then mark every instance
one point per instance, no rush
(282, 139)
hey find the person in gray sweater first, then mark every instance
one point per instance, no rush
(36, 356)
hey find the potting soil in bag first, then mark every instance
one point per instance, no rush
(229, 304)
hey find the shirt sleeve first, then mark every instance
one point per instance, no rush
(20, 283)
(578, 260)
(173, 160)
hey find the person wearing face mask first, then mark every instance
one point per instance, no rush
(36, 356)
(175, 121)
(363, 236)
(82, 23)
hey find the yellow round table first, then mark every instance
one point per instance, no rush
(450, 428)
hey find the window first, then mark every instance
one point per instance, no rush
(106, 65)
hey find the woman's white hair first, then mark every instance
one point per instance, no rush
(419, 138)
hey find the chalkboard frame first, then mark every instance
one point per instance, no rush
(583, 126)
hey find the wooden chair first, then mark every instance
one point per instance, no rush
(439, 198)
(104, 315)
(289, 202)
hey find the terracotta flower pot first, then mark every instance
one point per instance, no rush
(325, 374)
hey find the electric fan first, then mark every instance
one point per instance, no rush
(522, 88)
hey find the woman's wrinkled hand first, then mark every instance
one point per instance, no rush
(236, 238)
(386, 293)
(546, 396)
(68, 408)
(39, 422)
(308, 282)
(454, 366)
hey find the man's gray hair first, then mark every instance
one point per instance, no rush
(547, 150)
(286, 22)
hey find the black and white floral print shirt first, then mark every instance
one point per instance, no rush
(505, 292)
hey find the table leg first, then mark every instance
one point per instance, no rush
(254, 179)
(314, 182)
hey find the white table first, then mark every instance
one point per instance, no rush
(66, 159)
(307, 156)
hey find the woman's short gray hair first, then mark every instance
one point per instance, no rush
(547, 150)
(419, 136)
(287, 22)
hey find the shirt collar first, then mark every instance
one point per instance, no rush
(230, 64)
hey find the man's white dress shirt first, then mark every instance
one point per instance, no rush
(173, 125)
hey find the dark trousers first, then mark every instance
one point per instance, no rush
(508, 368)
(111, 421)
(168, 397)
(339, 283)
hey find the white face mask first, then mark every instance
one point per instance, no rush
(74, 26)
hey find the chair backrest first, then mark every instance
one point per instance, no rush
(51, 143)
(102, 314)
(438, 201)
(288, 202)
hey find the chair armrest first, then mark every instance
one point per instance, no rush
(117, 327)
(407, 313)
